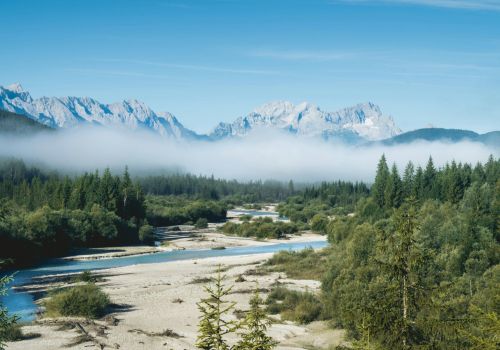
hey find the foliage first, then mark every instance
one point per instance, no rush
(84, 300)
(209, 188)
(327, 199)
(44, 214)
(304, 264)
(410, 274)
(301, 307)
(201, 223)
(169, 210)
(7, 322)
(260, 228)
(146, 234)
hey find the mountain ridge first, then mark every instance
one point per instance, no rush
(363, 121)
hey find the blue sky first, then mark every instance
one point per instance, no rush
(422, 61)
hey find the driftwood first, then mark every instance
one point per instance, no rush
(88, 337)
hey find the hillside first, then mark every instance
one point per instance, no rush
(13, 123)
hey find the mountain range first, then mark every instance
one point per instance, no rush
(361, 122)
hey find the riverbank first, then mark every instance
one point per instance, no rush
(157, 297)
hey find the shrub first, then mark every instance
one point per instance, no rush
(85, 300)
(146, 234)
(85, 276)
(304, 264)
(201, 223)
(301, 307)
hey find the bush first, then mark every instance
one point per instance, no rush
(260, 228)
(201, 223)
(304, 264)
(146, 234)
(301, 307)
(85, 300)
(85, 276)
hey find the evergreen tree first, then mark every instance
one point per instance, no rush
(213, 326)
(401, 261)
(394, 189)
(428, 180)
(381, 180)
(256, 324)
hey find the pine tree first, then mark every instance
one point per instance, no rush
(213, 327)
(256, 324)
(381, 180)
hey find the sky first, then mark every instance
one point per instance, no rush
(422, 61)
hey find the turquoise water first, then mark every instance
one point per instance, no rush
(22, 303)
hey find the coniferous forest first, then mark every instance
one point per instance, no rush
(416, 263)
(413, 261)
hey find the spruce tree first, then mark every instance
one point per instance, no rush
(394, 189)
(256, 324)
(213, 325)
(381, 180)
(428, 180)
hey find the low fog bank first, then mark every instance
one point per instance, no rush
(264, 156)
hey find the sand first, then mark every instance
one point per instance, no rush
(154, 298)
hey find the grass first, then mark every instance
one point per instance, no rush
(200, 280)
(307, 264)
(85, 300)
(13, 332)
(301, 307)
(85, 276)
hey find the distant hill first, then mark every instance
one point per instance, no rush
(446, 135)
(13, 123)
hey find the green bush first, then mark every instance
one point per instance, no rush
(146, 234)
(201, 223)
(304, 264)
(260, 228)
(301, 307)
(85, 276)
(85, 300)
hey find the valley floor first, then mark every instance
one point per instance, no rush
(158, 306)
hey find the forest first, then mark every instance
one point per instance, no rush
(44, 213)
(415, 265)
(413, 261)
